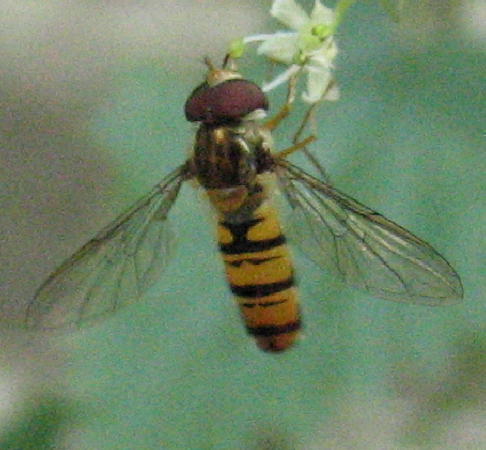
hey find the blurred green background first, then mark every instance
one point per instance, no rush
(91, 106)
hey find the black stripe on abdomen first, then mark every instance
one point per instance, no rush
(252, 261)
(246, 246)
(274, 330)
(267, 304)
(262, 290)
(241, 244)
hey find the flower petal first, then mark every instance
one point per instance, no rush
(280, 47)
(324, 56)
(308, 42)
(321, 14)
(289, 13)
(257, 38)
(332, 94)
(282, 78)
(318, 79)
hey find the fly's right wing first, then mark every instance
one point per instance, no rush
(368, 251)
(113, 268)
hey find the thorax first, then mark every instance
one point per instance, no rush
(228, 161)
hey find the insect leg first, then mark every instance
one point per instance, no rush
(274, 122)
(306, 119)
(299, 145)
(310, 156)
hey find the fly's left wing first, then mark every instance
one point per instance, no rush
(367, 250)
(114, 267)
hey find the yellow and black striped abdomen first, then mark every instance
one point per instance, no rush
(260, 274)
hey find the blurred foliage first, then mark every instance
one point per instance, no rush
(460, 389)
(40, 425)
(393, 8)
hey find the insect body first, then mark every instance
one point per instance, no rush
(233, 160)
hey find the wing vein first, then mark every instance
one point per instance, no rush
(368, 250)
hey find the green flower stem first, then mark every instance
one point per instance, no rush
(340, 10)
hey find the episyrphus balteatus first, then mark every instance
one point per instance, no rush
(234, 162)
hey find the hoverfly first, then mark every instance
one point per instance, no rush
(234, 162)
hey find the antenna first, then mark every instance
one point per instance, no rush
(209, 63)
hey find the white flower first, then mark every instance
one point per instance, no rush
(309, 47)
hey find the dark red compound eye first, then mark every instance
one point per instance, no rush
(226, 102)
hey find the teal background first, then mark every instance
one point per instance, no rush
(177, 371)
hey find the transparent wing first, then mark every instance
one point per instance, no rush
(114, 267)
(367, 250)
